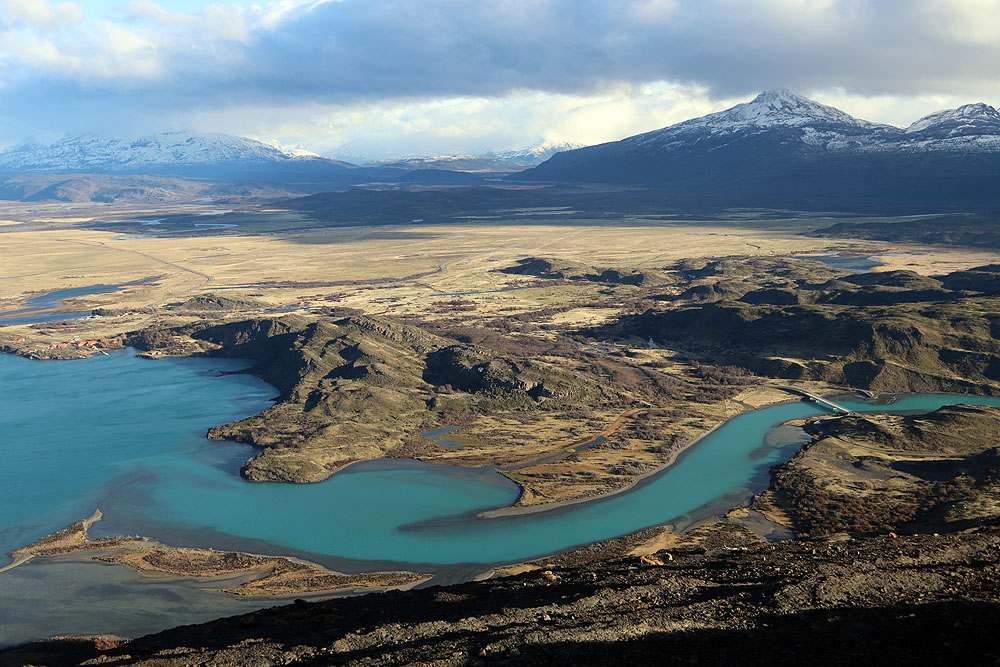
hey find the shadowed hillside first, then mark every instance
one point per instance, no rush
(893, 331)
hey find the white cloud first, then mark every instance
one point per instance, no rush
(970, 21)
(38, 13)
(214, 23)
(466, 125)
(400, 76)
(276, 13)
(656, 11)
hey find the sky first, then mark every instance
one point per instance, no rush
(364, 79)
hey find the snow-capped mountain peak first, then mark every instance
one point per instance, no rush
(538, 152)
(782, 108)
(798, 119)
(968, 119)
(155, 152)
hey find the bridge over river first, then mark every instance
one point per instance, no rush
(819, 400)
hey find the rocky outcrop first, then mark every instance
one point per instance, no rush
(472, 369)
(349, 390)
(215, 303)
(564, 269)
(892, 331)
(354, 388)
(938, 472)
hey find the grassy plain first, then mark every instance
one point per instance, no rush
(395, 269)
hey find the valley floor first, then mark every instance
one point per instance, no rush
(575, 355)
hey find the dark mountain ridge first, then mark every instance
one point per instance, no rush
(784, 149)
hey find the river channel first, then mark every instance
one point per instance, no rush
(126, 435)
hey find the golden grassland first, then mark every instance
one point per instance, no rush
(394, 269)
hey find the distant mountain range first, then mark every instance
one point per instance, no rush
(224, 155)
(105, 168)
(493, 161)
(782, 146)
(537, 153)
(780, 150)
(175, 153)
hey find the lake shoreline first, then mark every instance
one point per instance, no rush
(673, 458)
(462, 570)
(269, 577)
(514, 509)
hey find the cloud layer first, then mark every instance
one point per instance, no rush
(64, 68)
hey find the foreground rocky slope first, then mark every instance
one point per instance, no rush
(730, 600)
(938, 472)
(716, 595)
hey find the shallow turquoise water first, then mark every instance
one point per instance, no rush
(73, 432)
(397, 515)
(125, 435)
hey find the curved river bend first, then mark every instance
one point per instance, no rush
(126, 435)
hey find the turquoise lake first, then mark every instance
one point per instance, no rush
(127, 435)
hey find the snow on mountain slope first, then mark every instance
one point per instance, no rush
(969, 128)
(780, 107)
(157, 152)
(537, 153)
(813, 123)
(781, 122)
(495, 161)
(970, 119)
(291, 150)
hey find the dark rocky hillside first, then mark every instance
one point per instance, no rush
(353, 388)
(784, 150)
(763, 172)
(975, 230)
(927, 599)
(562, 269)
(894, 331)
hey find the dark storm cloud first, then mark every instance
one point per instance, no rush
(376, 50)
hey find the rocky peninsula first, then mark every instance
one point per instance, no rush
(267, 575)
